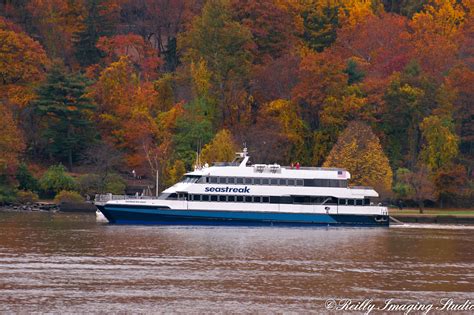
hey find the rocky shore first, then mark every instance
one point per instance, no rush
(30, 206)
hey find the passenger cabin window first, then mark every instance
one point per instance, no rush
(265, 181)
(239, 180)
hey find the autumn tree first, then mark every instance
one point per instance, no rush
(56, 21)
(64, 111)
(320, 76)
(23, 62)
(436, 34)
(139, 52)
(359, 151)
(273, 28)
(159, 22)
(11, 141)
(175, 172)
(441, 143)
(225, 45)
(99, 21)
(222, 148)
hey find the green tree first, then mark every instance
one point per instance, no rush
(26, 180)
(64, 110)
(56, 179)
(359, 151)
(409, 97)
(320, 21)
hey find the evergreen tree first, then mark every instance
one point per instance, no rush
(96, 24)
(63, 109)
(320, 25)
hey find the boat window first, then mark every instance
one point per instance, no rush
(299, 182)
(291, 182)
(274, 199)
(248, 199)
(359, 202)
(222, 198)
(265, 181)
(343, 183)
(274, 181)
(205, 198)
(257, 199)
(203, 179)
(240, 198)
(366, 202)
(265, 199)
(239, 180)
(231, 198)
(342, 202)
(257, 181)
(350, 202)
(285, 199)
(231, 180)
(331, 201)
(172, 196)
(282, 182)
(213, 198)
(213, 180)
(222, 180)
(248, 181)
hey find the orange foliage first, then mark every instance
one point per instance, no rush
(11, 141)
(139, 52)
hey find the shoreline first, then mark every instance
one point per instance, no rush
(405, 216)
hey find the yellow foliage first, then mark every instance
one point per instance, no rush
(292, 127)
(359, 151)
(221, 149)
(175, 172)
(201, 77)
(355, 12)
(441, 143)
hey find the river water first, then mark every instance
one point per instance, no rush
(68, 263)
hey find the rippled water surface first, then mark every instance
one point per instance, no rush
(70, 263)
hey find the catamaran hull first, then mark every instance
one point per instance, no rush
(156, 216)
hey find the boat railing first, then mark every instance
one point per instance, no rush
(103, 198)
(314, 168)
(361, 187)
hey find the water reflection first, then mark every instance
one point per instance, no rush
(70, 263)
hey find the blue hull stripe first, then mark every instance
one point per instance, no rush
(125, 215)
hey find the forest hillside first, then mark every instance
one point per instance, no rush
(97, 95)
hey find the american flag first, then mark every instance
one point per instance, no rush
(341, 174)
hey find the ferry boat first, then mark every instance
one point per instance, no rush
(237, 193)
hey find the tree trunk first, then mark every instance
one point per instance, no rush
(421, 206)
(70, 159)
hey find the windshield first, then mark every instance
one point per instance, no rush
(189, 179)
